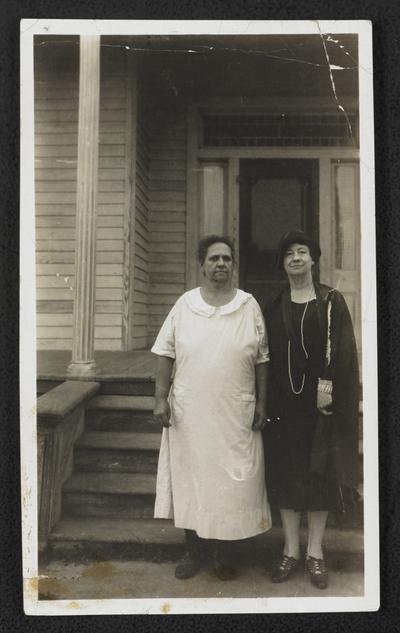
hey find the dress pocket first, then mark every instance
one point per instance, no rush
(177, 405)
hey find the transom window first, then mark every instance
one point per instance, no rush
(265, 130)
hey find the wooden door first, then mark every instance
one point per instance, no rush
(276, 195)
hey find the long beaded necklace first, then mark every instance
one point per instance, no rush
(296, 393)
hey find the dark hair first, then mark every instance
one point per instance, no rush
(209, 240)
(297, 237)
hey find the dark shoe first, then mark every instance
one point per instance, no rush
(284, 569)
(317, 570)
(187, 567)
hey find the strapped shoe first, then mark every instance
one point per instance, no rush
(284, 569)
(317, 570)
(188, 566)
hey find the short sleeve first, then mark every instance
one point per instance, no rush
(164, 344)
(263, 349)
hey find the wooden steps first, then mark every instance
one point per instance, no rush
(108, 502)
(111, 483)
(117, 452)
(116, 538)
(122, 403)
(119, 441)
(121, 414)
(139, 531)
(133, 388)
(115, 461)
(107, 494)
(102, 504)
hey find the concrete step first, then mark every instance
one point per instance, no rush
(119, 495)
(117, 452)
(121, 413)
(155, 539)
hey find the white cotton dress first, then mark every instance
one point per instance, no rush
(211, 464)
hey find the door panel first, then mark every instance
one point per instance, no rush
(275, 196)
(212, 198)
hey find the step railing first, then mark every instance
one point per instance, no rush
(60, 421)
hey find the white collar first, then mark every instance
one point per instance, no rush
(197, 304)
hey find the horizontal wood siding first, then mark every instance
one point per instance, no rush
(140, 296)
(112, 198)
(167, 225)
(56, 126)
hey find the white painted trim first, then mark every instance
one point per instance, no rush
(212, 198)
(82, 363)
(221, 153)
(325, 219)
(130, 207)
(325, 155)
(192, 206)
(275, 105)
(233, 210)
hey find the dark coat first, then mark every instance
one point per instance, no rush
(336, 437)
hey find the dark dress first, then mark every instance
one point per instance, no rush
(291, 482)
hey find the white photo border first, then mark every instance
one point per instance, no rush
(32, 605)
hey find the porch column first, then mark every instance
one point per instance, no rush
(82, 363)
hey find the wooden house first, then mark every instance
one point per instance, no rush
(242, 135)
(143, 144)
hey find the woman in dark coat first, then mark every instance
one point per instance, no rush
(311, 441)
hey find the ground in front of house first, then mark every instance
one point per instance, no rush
(116, 579)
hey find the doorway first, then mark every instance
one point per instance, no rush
(276, 195)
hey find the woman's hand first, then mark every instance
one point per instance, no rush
(260, 416)
(162, 412)
(324, 396)
(324, 402)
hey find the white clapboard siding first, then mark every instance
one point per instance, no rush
(56, 320)
(56, 117)
(139, 300)
(167, 225)
(56, 128)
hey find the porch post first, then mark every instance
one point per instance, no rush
(82, 363)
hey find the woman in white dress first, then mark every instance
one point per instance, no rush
(211, 465)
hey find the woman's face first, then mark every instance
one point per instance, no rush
(218, 263)
(297, 260)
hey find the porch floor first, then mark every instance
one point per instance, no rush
(111, 366)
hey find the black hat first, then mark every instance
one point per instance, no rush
(297, 237)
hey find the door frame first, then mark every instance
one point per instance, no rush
(230, 156)
(262, 169)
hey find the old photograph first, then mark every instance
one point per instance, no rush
(198, 320)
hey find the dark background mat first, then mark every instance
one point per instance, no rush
(385, 15)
